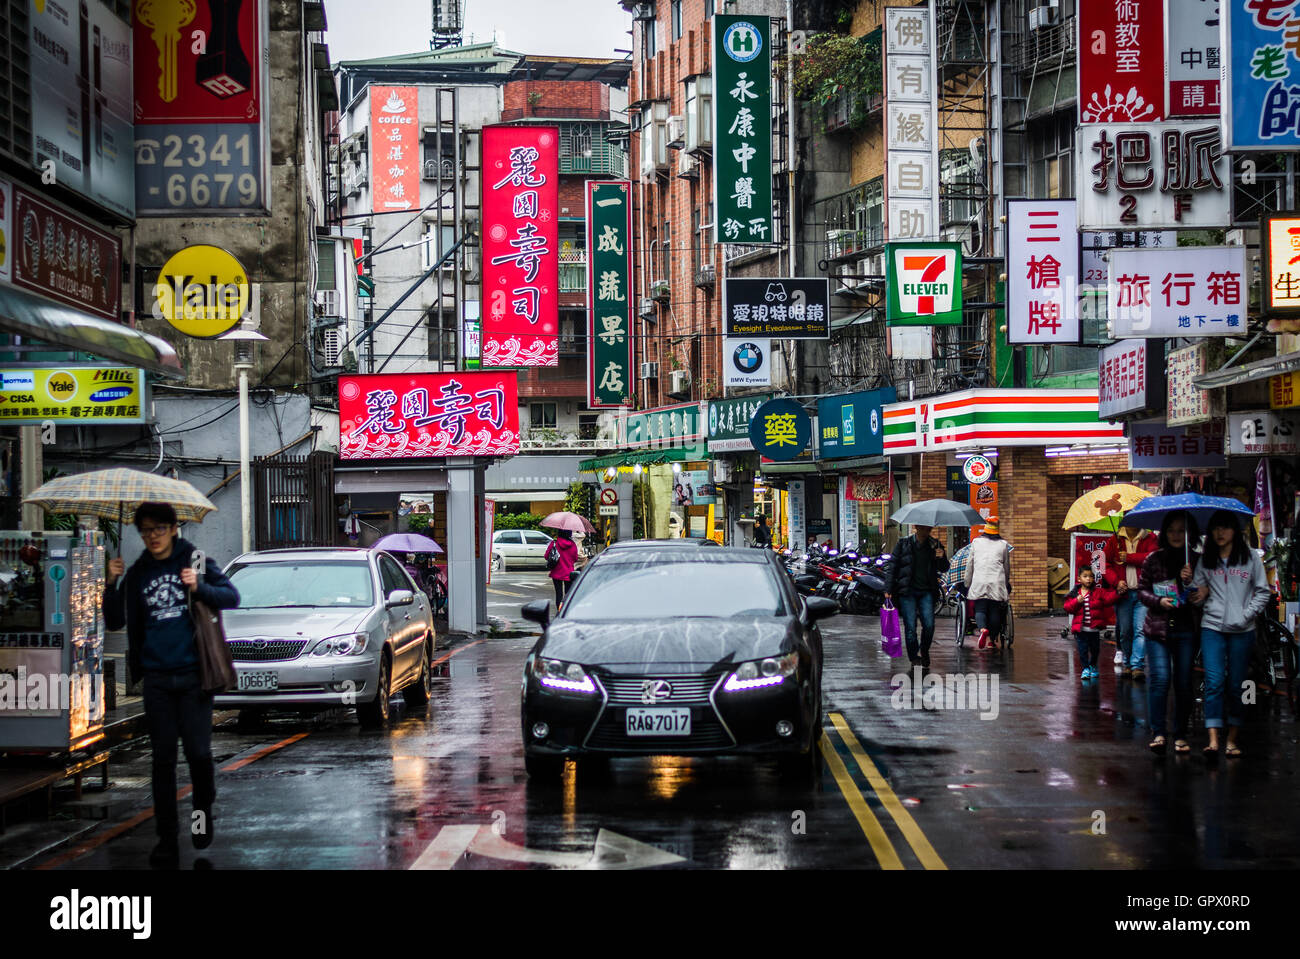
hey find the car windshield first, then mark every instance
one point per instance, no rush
(296, 583)
(660, 584)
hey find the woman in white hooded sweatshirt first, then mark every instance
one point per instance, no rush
(988, 581)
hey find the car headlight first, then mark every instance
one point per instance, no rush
(557, 674)
(349, 644)
(759, 673)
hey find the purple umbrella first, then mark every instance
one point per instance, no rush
(407, 543)
(570, 521)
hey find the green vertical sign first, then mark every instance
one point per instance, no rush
(742, 132)
(609, 293)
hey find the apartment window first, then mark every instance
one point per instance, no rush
(432, 156)
(704, 235)
(441, 329)
(648, 28)
(1051, 157)
(959, 181)
(677, 19)
(429, 252)
(541, 416)
(325, 265)
(708, 9)
(588, 426)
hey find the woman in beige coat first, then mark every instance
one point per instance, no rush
(988, 582)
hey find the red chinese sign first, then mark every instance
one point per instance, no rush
(406, 415)
(60, 256)
(1088, 551)
(394, 148)
(1121, 61)
(521, 264)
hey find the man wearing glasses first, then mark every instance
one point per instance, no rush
(153, 602)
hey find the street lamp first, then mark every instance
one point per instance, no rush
(244, 336)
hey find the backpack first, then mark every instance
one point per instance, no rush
(552, 555)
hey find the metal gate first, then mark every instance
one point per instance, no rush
(293, 501)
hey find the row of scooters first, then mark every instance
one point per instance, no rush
(856, 581)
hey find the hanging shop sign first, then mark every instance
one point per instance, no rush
(1042, 272)
(797, 515)
(851, 424)
(1088, 551)
(61, 256)
(911, 147)
(609, 293)
(1261, 102)
(394, 149)
(792, 308)
(1281, 247)
(1121, 61)
(1186, 404)
(780, 429)
(742, 130)
(664, 427)
(202, 290)
(985, 418)
(521, 264)
(870, 487)
(1192, 59)
(82, 395)
(1284, 391)
(924, 284)
(1186, 291)
(977, 469)
(1152, 176)
(729, 423)
(201, 108)
(81, 122)
(1264, 433)
(408, 415)
(1130, 377)
(692, 488)
(1156, 446)
(984, 499)
(746, 361)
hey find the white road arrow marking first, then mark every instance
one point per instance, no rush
(612, 851)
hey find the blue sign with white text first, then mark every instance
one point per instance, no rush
(851, 424)
(1261, 75)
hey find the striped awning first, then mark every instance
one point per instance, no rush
(672, 454)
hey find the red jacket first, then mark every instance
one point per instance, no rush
(568, 554)
(1101, 605)
(1147, 544)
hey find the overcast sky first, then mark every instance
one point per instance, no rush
(363, 29)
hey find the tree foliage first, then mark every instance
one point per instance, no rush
(834, 64)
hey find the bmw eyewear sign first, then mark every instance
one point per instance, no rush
(924, 282)
(793, 308)
(747, 362)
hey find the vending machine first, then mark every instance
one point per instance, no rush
(51, 640)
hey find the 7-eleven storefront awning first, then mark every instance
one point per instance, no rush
(981, 418)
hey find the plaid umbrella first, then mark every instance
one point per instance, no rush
(116, 493)
(957, 567)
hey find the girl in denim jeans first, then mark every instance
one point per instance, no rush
(1170, 629)
(1231, 585)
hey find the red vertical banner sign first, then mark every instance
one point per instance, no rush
(394, 148)
(521, 261)
(1121, 61)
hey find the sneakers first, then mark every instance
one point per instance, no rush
(1119, 657)
(1089, 672)
(984, 639)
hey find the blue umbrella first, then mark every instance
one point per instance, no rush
(407, 543)
(1151, 512)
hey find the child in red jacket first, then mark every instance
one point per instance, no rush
(1093, 608)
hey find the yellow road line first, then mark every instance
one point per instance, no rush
(875, 833)
(911, 831)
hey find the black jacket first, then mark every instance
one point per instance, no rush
(900, 583)
(124, 600)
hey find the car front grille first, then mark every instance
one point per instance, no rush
(686, 690)
(264, 650)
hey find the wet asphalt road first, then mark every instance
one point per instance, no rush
(1060, 778)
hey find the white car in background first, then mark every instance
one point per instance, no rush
(519, 549)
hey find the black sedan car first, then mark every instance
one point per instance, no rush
(676, 651)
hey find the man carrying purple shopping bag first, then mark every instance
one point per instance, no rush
(918, 562)
(891, 632)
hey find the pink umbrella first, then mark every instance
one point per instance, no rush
(570, 521)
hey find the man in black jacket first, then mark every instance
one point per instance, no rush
(914, 587)
(153, 603)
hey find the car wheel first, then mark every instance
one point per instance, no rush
(498, 563)
(375, 714)
(417, 694)
(544, 769)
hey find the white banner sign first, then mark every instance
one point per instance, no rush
(1264, 433)
(795, 528)
(746, 361)
(911, 160)
(1042, 272)
(1186, 291)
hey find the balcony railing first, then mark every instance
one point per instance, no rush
(573, 276)
(1045, 43)
(550, 439)
(846, 244)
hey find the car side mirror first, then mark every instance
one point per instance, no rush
(539, 611)
(819, 607)
(399, 597)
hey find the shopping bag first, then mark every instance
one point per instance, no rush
(891, 632)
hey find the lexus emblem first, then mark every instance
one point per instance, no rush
(653, 690)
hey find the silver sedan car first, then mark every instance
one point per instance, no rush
(326, 627)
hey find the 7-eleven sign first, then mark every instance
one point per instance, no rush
(924, 284)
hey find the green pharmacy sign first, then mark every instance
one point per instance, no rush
(609, 293)
(924, 281)
(742, 133)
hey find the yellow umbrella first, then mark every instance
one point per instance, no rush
(1104, 507)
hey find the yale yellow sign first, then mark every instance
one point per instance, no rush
(203, 291)
(72, 395)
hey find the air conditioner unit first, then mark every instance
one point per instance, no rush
(688, 168)
(328, 301)
(676, 133)
(721, 470)
(643, 11)
(1044, 16)
(659, 290)
(649, 371)
(647, 308)
(330, 343)
(679, 382)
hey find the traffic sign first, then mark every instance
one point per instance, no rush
(609, 496)
(608, 510)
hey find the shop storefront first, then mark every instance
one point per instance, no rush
(850, 443)
(733, 465)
